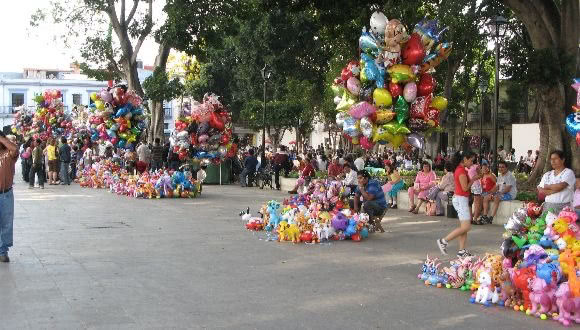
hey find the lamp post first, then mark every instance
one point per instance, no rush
(497, 28)
(266, 74)
(483, 84)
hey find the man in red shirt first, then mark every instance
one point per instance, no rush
(306, 175)
(8, 158)
(281, 162)
(334, 169)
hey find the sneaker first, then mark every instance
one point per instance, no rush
(394, 206)
(4, 259)
(442, 246)
(463, 254)
(41, 187)
(488, 220)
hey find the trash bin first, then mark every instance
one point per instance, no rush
(213, 173)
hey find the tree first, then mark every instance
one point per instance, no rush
(552, 27)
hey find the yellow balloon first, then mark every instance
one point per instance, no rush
(346, 102)
(355, 140)
(382, 97)
(100, 105)
(401, 73)
(397, 140)
(381, 134)
(439, 103)
(94, 96)
(384, 116)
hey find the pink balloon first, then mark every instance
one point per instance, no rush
(410, 92)
(362, 109)
(106, 96)
(366, 143)
(353, 85)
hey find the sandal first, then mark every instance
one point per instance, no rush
(412, 209)
(478, 222)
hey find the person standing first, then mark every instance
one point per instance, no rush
(281, 162)
(8, 159)
(157, 155)
(52, 159)
(558, 184)
(65, 158)
(359, 162)
(144, 153)
(37, 165)
(25, 158)
(74, 156)
(461, 162)
(250, 164)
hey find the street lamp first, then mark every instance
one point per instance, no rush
(483, 84)
(497, 28)
(266, 74)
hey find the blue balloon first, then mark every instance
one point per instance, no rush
(94, 137)
(111, 133)
(573, 123)
(137, 111)
(373, 71)
(364, 232)
(368, 44)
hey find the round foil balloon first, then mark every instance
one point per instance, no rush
(366, 127)
(382, 98)
(416, 140)
(378, 24)
(410, 92)
(353, 85)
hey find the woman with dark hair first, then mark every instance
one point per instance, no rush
(423, 182)
(558, 184)
(396, 183)
(461, 161)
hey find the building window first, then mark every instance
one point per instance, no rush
(77, 99)
(165, 126)
(17, 99)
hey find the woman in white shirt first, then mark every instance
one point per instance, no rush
(558, 184)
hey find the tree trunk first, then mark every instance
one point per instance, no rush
(156, 129)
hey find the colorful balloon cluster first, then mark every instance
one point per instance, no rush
(161, 184)
(319, 215)
(116, 116)
(537, 273)
(573, 119)
(387, 96)
(204, 131)
(48, 120)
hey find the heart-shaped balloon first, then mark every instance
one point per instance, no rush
(414, 51)
(432, 114)
(426, 85)
(395, 89)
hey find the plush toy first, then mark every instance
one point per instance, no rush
(568, 262)
(486, 291)
(282, 227)
(522, 278)
(274, 218)
(425, 269)
(395, 36)
(292, 233)
(542, 295)
(568, 305)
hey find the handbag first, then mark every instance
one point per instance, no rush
(430, 209)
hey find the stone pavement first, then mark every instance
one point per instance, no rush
(88, 259)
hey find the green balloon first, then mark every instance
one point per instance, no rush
(402, 110)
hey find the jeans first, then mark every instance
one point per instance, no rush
(25, 168)
(277, 170)
(6, 221)
(36, 169)
(156, 165)
(246, 174)
(372, 208)
(441, 196)
(73, 170)
(64, 178)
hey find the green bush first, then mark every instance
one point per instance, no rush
(527, 196)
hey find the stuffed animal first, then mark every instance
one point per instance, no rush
(542, 295)
(486, 291)
(292, 233)
(568, 305)
(395, 36)
(522, 278)
(273, 215)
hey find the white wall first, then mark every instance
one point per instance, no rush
(525, 137)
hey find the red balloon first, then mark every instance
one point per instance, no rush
(216, 122)
(395, 89)
(345, 74)
(420, 107)
(426, 85)
(414, 52)
(193, 139)
(123, 128)
(355, 237)
(432, 114)
(225, 139)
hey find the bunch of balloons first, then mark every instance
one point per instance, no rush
(116, 116)
(573, 119)
(387, 96)
(204, 131)
(49, 119)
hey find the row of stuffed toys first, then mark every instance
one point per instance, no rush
(204, 131)
(387, 96)
(107, 174)
(318, 215)
(537, 272)
(573, 119)
(48, 120)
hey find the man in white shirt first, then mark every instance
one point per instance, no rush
(350, 177)
(558, 184)
(504, 190)
(501, 153)
(143, 153)
(529, 161)
(359, 163)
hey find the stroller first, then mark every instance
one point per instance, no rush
(264, 177)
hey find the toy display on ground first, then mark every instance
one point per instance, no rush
(387, 96)
(106, 174)
(321, 214)
(48, 120)
(537, 273)
(204, 131)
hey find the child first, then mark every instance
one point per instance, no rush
(201, 175)
(576, 201)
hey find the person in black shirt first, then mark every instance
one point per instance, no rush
(250, 164)
(65, 157)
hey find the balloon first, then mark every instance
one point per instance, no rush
(378, 24)
(371, 71)
(573, 123)
(401, 73)
(402, 110)
(216, 122)
(395, 36)
(414, 52)
(355, 140)
(416, 140)
(366, 94)
(384, 116)
(382, 134)
(397, 140)
(396, 128)
(578, 139)
(353, 85)
(368, 44)
(395, 89)
(439, 103)
(337, 89)
(365, 143)
(94, 96)
(576, 87)
(417, 124)
(337, 99)
(362, 109)
(420, 107)
(432, 114)
(382, 97)
(428, 32)
(410, 91)
(106, 96)
(340, 117)
(366, 127)
(426, 85)
(349, 127)
(347, 101)
(432, 60)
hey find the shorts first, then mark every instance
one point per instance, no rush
(503, 197)
(461, 206)
(53, 165)
(476, 189)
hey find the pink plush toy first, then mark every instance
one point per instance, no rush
(543, 296)
(568, 306)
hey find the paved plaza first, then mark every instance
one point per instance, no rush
(89, 259)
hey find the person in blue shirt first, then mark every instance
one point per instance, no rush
(250, 165)
(374, 203)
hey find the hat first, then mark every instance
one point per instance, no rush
(484, 162)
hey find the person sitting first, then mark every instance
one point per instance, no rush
(373, 199)
(558, 184)
(334, 168)
(529, 162)
(250, 164)
(395, 182)
(350, 178)
(487, 182)
(505, 190)
(305, 175)
(423, 182)
(445, 186)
